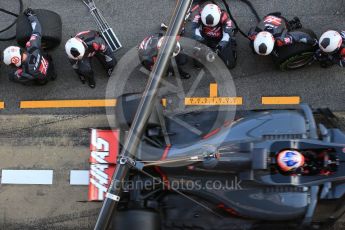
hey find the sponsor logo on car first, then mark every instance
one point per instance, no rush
(104, 147)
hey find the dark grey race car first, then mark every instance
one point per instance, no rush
(229, 177)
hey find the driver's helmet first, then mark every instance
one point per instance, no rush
(12, 56)
(75, 48)
(264, 43)
(210, 15)
(150, 45)
(177, 49)
(330, 41)
(290, 160)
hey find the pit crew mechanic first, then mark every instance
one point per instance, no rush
(148, 52)
(213, 27)
(32, 64)
(80, 50)
(275, 30)
(332, 48)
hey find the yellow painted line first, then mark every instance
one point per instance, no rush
(281, 100)
(164, 102)
(2, 105)
(213, 90)
(214, 101)
(67, 104)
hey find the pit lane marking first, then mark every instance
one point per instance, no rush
(188, 101)
(293, 100)
(67, 104)
(164, 102)
(213, 90)
(41, 177)
(214, 101)
(28, 177)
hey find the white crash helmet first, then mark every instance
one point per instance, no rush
(75, 48)
(264, 43)
(210, 15)
(177, 48)
(330, 41)
(290, 160)
(12, 55)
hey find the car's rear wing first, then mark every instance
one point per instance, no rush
(104, 148)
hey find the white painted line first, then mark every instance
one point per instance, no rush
(29, 177)
(79, 177)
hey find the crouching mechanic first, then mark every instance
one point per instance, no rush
(80, 50)
(214, 28)
(275, 30)
(32, 65)
(332, 49)
(148, 52)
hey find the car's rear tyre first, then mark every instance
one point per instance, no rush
(295, 56)
(51, 29)
(136, 219)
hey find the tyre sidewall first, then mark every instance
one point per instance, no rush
(285, 55)
(51, 29)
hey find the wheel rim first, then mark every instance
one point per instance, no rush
(299, 60)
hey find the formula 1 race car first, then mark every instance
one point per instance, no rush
(266, 168)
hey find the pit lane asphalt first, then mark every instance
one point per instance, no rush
(133, 20)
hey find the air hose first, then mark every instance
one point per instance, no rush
(13, 23)
(252, 9)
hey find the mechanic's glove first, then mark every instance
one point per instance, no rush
(315, 42)
(281, 41)
(29, 12)
(252, 37)
(295, 23)
(310, 41)
(296, 20)
(325, 60)
(199, 38)
(222, 45)
(298, 23)
(320, 56)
